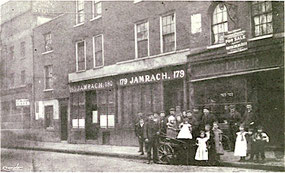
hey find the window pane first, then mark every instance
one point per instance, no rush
(257, 31)
(269, 28)
(262, 6)
(142, 48)
(268, 6)
(263, 19)
(220, 17)
(81, 56)
(98, 59)
(99, 8)
(269, 17)
(256, 20)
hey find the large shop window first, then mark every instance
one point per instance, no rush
(98, 48)
(262, 18)
(219, 24)
(106, 104)
(80, 56)
(79, 11)
(78, 110)
(142, 39)
(168, 35)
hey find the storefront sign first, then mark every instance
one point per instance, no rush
(22, 102)
(152, 77)
(90, 86)
(235, 41)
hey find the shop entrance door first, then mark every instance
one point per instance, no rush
(63, 119)
(270, 98)
(91, 122)
(173, 94)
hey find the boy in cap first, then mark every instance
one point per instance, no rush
(260, 139)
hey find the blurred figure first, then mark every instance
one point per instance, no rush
(139, 131)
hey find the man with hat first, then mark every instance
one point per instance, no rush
(208, 118)
(248, 117)
(162, 123)
(171, 114)
(139, 131)
(194, 123)
(234, 119)
(152, 138)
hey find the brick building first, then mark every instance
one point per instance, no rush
(18, 18)
(98, 67)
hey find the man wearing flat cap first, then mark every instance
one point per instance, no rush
(139, 131)
(208, 118)
(152, 137)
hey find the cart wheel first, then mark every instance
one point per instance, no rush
(165, 153)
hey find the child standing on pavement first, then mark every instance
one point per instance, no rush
(202, 151)
(260, 139)
(218, 135)
(241, 144)
(250, 144)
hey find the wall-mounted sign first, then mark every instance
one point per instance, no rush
(90, 86)
(22, 102)
(235, 41)
(152, 77)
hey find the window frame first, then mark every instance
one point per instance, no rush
(23, 77)
(260, 13)
(95, 15)
(161, 32)
(136, 39)
(77, 12)
(94, 50)
(23, 49)
(46, 78)
(76, 54)
(46, 41)
(217, 24)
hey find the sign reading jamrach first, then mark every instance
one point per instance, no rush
(235, 41)
(152, 77)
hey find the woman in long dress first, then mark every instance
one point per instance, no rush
(241, 144)
(202, 151)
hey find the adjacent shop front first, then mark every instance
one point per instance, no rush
(252, 75)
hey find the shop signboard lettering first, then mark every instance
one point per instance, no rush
(90, 86)
(152, 77)
(235, 41)
(22, 102)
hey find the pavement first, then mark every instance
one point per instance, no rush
(274, 161)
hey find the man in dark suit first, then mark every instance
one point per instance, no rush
(162, 123)
(139, 131)
(208, 118)
(152, 138)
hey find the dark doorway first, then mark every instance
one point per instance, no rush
(92, 124)
(63, 118)
(270, 98)
(173, 94)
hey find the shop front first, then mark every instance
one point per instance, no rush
(253, 76)
(104, 111)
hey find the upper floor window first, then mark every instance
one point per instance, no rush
(23, 47)
(262, 18)
(48, 40)
(12, 52)
(23, 77)
(96, 8)
(142, 39)
(80, 56)
(98, 52)
(48, 77)
(79, 11)
(219, 23)
(168, 33)
(12, 80)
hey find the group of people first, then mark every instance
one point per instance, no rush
(204, 128)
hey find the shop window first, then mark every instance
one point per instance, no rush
(79, 11)
(48, 42)
(23, 51)
(12, 52)
(96, 9)
(168, 35)
(80, 56)
(78, 110)
(262, 17)
(48, 77)
(106, 108)
(23, 77)
(142, 39)
(48, 116)
(219, 23)
(98, 51)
